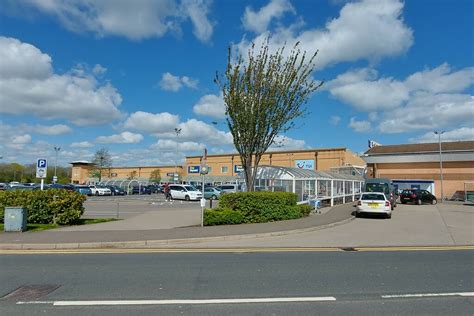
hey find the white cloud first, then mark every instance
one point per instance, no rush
(282, 142)
(463, 133)
(84, 144)
(80, 99)
(171, 145)
(365, 30)
(122, 138)
(359, 126)
(135, 20)
(170, 82)
(58, 129)
(334, 120)
(99, 70)
(197, 11)
(21, 139)
(210, 105)
(198, 131)
(258, 21)
(152, 123)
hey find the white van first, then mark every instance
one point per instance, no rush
(229, 188)
(184, 192)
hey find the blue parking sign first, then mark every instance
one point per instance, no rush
(42, 163)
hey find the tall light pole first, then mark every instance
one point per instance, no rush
(439, 133)
(56, 149)
(177, 131)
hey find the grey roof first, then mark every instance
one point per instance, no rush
(276, 172)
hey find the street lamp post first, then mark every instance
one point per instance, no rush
(177, 131)
(439, 133)
(56, 149)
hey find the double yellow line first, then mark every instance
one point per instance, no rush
(230, 250)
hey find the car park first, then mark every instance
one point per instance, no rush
(212, 193)
(229, 188)
(83, 189)
(155, 188)
(374, 203)
(184, 192)
(385, 186)
(417, 196)
(141, 190)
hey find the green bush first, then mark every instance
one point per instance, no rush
(222, 216)
(45, 207)
(260, 207)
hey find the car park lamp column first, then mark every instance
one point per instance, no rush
(439, 133)
(56, 149)
(177, 131)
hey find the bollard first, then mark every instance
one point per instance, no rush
(118, 210)
(210, 203)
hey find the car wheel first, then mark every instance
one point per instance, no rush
(434, 201)
(213, 197)
(97, 193)
(187, 198)
(389, 215)
(418, 202)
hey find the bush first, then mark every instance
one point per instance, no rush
(261, 207)
(45, 207)
(222, 216)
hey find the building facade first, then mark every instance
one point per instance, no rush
(418, 166)
(225, 167)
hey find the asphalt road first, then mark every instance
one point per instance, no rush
(352, 283)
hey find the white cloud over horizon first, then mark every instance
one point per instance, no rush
(122, 138)
(460, 134)
(210, 105)
(258, 22)
(170, 82)
(80, 99)
(135, 20)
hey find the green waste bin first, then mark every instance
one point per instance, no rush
(14, 219)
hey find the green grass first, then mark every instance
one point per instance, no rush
(82, 221)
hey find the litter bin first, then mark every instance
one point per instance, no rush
(15, 219)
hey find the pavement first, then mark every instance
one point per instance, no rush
(447, 224)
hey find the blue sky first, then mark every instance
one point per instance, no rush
(123, 74)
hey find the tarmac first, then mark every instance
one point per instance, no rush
(447, 224)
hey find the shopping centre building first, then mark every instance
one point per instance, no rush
(225, 167)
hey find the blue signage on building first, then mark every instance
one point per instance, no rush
(304, 164)
(194, 169)
(238, 169)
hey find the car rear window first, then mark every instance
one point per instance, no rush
(376, 197)
(190, 188)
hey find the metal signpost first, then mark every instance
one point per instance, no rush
(204, 171)
(41, 170)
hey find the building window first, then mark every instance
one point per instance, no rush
(209, 169)
(224, 169)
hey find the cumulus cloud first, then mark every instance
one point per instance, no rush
(99, 70)
(364, 30)
(359, 126)
(172, 145)
(122, 138)
(152, 123)
(84, 144)
(58, 129)
(463, 133)
(79, 98)
(174, 83)
(135, 20)
(210, 105)
(258, 21)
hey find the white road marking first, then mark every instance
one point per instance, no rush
(189, 302)
(35, 302)
(429, 295)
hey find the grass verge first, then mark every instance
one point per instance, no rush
(81, 221)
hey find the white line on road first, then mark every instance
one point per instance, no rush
(428, 295)
(189, 302)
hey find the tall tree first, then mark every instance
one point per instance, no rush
(101, 160)
(264, 94)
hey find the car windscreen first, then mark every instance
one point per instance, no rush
(373, 197)
(190, 188)
(377, 187)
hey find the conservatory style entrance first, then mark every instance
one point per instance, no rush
(309, 185)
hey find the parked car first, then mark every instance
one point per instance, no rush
(68, 187)
(374, 203)
(116, 190)
(83, 189)
(417, 196)
(186, 192)
(97, 190)
(383, 185)
(155, 188)
(229, 188)
(212, 193)
(141, 190)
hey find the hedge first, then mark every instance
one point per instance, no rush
(255, 207)
(222, 216)
(55, 206)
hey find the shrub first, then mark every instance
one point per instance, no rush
(45, 207)
(260, 207)
(222, 216)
